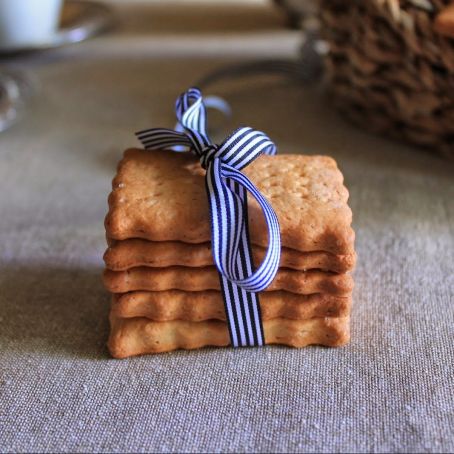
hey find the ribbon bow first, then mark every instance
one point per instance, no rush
(227, 190)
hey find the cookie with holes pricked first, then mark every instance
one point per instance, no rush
(160, 196)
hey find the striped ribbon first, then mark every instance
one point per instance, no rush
(227, 190)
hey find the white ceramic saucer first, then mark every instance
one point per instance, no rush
(80, 20)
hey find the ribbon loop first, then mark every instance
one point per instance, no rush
(243, 146)
(225, 256)
(227, 190)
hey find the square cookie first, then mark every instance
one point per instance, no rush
(209, 305)
(160, 196)
(207, 278)
(138, 336)
(124, 254)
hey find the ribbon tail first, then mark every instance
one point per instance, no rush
(245, 264)
(242, 307)
(228, 200)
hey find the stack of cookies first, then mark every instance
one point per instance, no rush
(160, 270)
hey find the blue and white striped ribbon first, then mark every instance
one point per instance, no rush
(227, 190)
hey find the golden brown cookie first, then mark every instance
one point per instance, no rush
(207, 278)
(160, 196)
(198, 306)
(138, 336)
(131, 253)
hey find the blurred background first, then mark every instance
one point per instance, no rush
(387, 66)
(38, 33)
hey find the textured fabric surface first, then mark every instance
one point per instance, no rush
(390, 390)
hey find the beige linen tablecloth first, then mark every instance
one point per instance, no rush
(390, 390)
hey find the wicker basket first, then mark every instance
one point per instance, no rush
(391, 67)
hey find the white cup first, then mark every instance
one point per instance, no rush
(28, 22)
